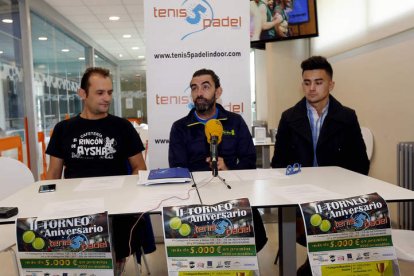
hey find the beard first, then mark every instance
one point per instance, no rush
(203, 105)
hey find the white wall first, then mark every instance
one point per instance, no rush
(371, 51)
(278, 78)
(345, 25)
(373, 77)
(376, 80)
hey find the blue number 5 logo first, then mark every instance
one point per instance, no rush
(197, 11)
(202, 10)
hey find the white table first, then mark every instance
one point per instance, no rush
(264, 188)
(280, 192)
(128, 198)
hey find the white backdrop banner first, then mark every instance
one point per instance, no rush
(183, 36)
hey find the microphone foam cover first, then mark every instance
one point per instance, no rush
(213, 128)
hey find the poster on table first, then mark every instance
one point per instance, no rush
(350, 236)
(210, 239)
(65, 246)
(181, 38)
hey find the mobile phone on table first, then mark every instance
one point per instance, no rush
(47, 188)
(8, 212)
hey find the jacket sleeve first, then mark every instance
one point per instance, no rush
(246, 152)
(177, 151)
(357, 155)
(280, 155)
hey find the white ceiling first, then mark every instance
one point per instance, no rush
(92, 17)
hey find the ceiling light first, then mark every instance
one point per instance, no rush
(1, 52)
(120, 55)
(127, 36)
(7, 20)
(114, 18)
(141, 57)
(135, 48)
(41, 66)
(65, 50)
(42, 38)
(81, 58)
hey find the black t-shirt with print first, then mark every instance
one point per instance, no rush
(101, 147)
(94, 147)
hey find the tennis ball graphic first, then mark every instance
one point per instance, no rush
(325, 225)
(28, 236)
(175, 223)
(184, 230)
(315, 220)
(38, 243)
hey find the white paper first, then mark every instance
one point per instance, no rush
(72, 208)
(304, 193)
(101, 183)
(260, 174)
(203, 177)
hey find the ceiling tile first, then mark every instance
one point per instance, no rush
(103, 2)
(91, 16)
(60, 3)
(109, 10)
(84, 21)
(133, 2)
(73, 10)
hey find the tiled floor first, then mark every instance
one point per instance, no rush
(157, 261)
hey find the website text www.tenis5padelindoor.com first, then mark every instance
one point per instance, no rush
(200, 54)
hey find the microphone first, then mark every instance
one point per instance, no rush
(214, 132)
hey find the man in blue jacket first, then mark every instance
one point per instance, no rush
(188, 143)
(188, 146)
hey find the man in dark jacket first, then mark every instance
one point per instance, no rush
(189, 148)
(319, 131)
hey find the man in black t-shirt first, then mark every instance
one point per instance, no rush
(96, 143)
(97, 147)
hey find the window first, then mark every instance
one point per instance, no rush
(59, 62)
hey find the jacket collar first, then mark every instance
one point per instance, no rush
(192, 121)
(299, 120)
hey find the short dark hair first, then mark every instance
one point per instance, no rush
(317, 62)
(213, 75)
(92, 71)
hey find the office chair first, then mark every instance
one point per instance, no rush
(12, 142)
(14, 175)
(369, 140)
(403, 242)
(8, 240)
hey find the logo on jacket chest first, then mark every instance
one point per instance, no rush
(231, 132)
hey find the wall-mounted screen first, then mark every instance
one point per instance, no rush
(275, 20)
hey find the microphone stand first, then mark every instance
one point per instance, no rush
(214, 157)
(222, 180)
